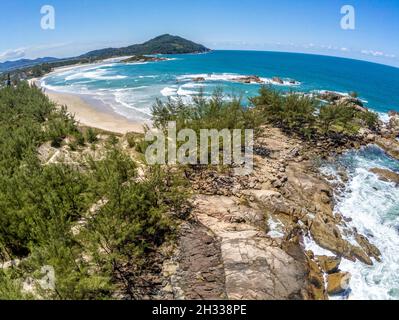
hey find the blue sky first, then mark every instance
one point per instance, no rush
(310, 26)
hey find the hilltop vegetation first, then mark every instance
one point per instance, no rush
(164, 44)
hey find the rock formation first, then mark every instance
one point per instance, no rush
(246, 236)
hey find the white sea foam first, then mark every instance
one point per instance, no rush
(276, 228)
(384, 117)
(94, 74)
(232, 77)
(149, 76)
(210, 76)
(129, 100)
(285, 83)
(183, 92)
(192, 85)
(169, 91)
(373, 206)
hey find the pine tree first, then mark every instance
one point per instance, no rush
(8, 80)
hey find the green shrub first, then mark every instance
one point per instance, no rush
(291, 112)
(91, 135)
(40, 205)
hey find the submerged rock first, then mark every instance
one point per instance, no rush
(386, 175)
(199, 79)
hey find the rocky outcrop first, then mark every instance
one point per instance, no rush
(337, 98)
(329, 96)
(393, 124)
(249, 79)
(256, 266)
(390, 145)
(249, 231)
(197, 271)
(386, 175)
(329, 265)
(142, 59)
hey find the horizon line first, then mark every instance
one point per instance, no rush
(221, 49)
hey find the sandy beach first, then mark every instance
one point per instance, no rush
(87, 115)
(88, 112)
(91, 115)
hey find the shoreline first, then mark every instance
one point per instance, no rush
(92, 113)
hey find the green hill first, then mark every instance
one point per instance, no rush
(165, 44)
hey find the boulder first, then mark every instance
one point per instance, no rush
(316, 281)
(358, 253)
(328, 236)
(369, 248)
(249, 79)
(350, 100)
(338, 283)
(330, 96)
(390, 145)
(329, 265)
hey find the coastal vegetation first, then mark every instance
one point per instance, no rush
(309, 117)
(98, 216)
(203, 113)
(93, 221)
(298, 114)
(164, 44)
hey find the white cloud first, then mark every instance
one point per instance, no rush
(13, 54)
(373, 53)
(378, 54)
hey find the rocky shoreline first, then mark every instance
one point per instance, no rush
(254, 79)
(245, 238)
(143, 59)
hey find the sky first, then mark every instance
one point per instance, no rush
(307, 26)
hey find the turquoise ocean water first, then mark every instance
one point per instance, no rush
(131, 89)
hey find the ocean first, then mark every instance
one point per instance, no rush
(373, 205)
(131, 89)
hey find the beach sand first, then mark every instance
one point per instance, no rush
(91, 114)
(88, 115)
